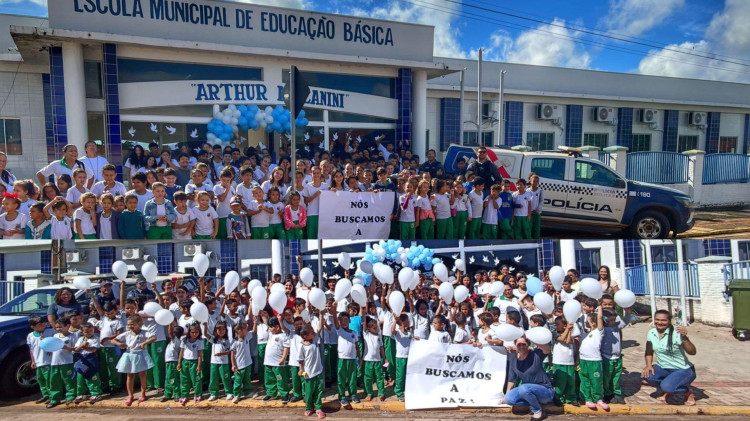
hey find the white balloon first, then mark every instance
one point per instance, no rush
(277, 301)
(591, 288)
(460, 265)
(120, 269)
(365, 266)
(231, 281)
(460, 294)
(278, 287)
(81, 282)
(508, 333)
(405, 276)
(226, 119)
(539, 335)
(164, 317)
(441, 271)
(216, 109)
(544, 302)
(446, 292)
(396, 300)
(200, 264)
(151, 308)
(269, 110)
(306, 275)
(344, 260)
(199, 311)
(572, 310)
(358, 281)
(317, 298)
(359, 295)
(252, 285)
(259, 296)
(385, 274)
(236, 114)
(414, 281)
(149, 271)
(556, 276)
(496, 288)
(260, 116)
(342, 290)
(232, 107)
(376, 269)
(625, 298)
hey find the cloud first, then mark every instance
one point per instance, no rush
(635, 17)
(42, 3)
(727, 37)
(546, 45)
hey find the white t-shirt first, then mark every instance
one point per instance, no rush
(522, 200)
(591, 346)
(109, 328)
(420, 326)
(41, 357)
(442, 206)
(386, 317)
(192, 189)
(63, 357)
(373, 342)
(19, 222)
(219, 346)
(261, 219)
(309, 357)
(295, 344)
(403, 342)
(105, 227)
(204, 224)
(246, 193)
(313, 208)
(96, 163)
(117, 190)
(567, 296)
(74, 195)
(87, 224)
(263, 333)
(142, 198)
(441, 337)
(562, 354)
(183, 218)
(223, 209)
(423, 203)
(92, 342)
(476, 204)
(347, 344)
(461, 336)
(57, 169)
(191, 350)
(60, 229)
(490, 213)
(243, 351)
(172, 352)
(275, 349)
(275, 217)
(330, 335)
(407, 214)
(134, 341)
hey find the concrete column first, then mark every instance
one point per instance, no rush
(568, 254)
(590, 151)
(277, 257)
(735, 247)
(695, 180)
(618, 159)
(650, 275)
(714, 309)
(419, 114)
(75, 95)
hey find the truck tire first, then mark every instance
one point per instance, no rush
(17, 378)
(649, 225)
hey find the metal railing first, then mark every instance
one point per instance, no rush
(658, 167)
(666, 281)
(10, 290)
(726, 168)
(737, 270)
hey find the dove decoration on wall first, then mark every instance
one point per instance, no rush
(322, 131)
(497, 261)
(307, 137)
(194, 134)
(518, 258)
(154, 128)
(486, 259)
(511, 269)
(471, 260)
(454, 256)
(171, 129)
(131, 131)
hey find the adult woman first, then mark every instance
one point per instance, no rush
(536, 388)
(574, 280)
(6, 178)
(65, 301)
(135, 162)
(286, 165)
(93, 160)
(672, 372)
(480, 286)
(65, 166)
(165, 159)
(609, 286)
(276, 180)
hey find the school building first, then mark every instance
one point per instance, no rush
(135, 72)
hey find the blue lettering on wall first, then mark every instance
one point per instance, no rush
(127, 8)
(258, 92)
(178, 11)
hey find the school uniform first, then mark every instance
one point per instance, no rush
(420, 326)
(38, 232)
(309, 360)
(505, 215)
(134, 358)
(259, 222)
(155, 376)
(19, 222)
(100, 188)
(564, 370)
(106, 226)
(475, 207)
(440, 337)
(373, 364)
(460, 221)
(590, 362)
(389, 345)
(403, 342)
(489, 219)
(406, 218)
(313, 208)
(521, 209)
(261, 341)
(142, 198)
(61, 229)
(295, 344)
(221, 369)
(87, 224)
(277, 380)
(426, 225)
(108, 353)
(536, 211)
(276, 222)
(223, 209)
(347, 366)
(88, 380)
(171, 375)
(330, 349)
(193, 189)
(444, 222)
(243, 359)
(62, 384)
(461, 335)
(42, 359)
(182, 218)
(190, 376)
(204, 222)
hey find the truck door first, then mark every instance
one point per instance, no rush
(551, 171)
(597, 194)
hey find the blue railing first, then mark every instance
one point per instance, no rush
(666, 281)
(726, 168)
(658, 167)
(737, 270)
(10, 290)
(604, 157)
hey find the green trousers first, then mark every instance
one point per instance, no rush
(489, 231)
(346, 374)
(220, 373)
(277, 231)
(171, 380)
(155, 376)
(408, 230)
(521, 228)
(611, 377)
(459, 225)
(591, 380)
(260, 233)
(42, 377)
(330, 361)
(313, 393)
(190, 378)
(312, 227)
(374, 372)
(536, 225)
(159, 233)
(206, 363)
(565, 382)
(444, 228)
(426, 229)
(62, 384)
(202, 237)
(395, 230)
(276, 381)
(222, 234)
(108, 368)
(474, 229)
(242, 381)
(295, 233)
(389, 345)
(258, 372)
(506, 231)
(400, 377)
(92, 386)
(296, 380)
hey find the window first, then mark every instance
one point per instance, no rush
(588, 261)
(130, 70)
(540, 141)
(590, 173)
(92, 71)
(10, 136)
(727, 144)
(641, 143)
(744, 247)
(686, 143)
(470, 138)
(600, 140)
(261, 272)
(370, 85)
(553, 168)
(663, 254)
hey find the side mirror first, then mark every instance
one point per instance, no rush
(620, 183)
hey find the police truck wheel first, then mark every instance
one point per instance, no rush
(650, 225)
(17, 378)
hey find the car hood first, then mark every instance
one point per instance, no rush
(7, 321)
(660, 187)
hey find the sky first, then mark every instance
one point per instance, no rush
(704, 39)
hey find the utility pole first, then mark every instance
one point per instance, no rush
(479, 100)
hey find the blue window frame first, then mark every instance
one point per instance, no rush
(131, 70)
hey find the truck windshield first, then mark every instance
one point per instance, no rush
(32, 302)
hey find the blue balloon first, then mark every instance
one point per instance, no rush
(533, 285)
(269, 128)
(51, 344)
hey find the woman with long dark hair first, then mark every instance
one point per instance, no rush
(536, 388)
(135, 162)
(609, 286)
(65, 301)
(6, 178)
(672, 373)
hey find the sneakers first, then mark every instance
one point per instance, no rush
(381, 398)
(230, 397)
(590, 405)
(51, 405)
(268, 398)
(42, 400)
(368, 398)
(308, 413)
(164, 399)
(355, 399)
(236, 400)
(95, 399)
(295, 399)
(601, 404)
(183, 401)
(285, 400)
(617, 399)
(197, 399)
(401, 399)
(211, 398)
(321, 414)
(79, 399)
(344, 402)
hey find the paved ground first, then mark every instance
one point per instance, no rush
(720, 224)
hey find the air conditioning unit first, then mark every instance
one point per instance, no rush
(697, 119)
(649, 116)
(132, 253)
(604, 114)
(75, 256)
(190, 250)
(548, 112)
(490, 109)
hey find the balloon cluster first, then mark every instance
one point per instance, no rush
(226, 123)
(392, 253)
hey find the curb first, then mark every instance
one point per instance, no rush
(396, 406)
(713, 232)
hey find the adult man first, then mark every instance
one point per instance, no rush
(65, 166)
(93, 161)
(485, 168)
(141, 293)
(431, 165)
(106, 295)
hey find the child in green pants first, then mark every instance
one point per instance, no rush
(442, 202)
(189, 364)
(295, 343)
(489, 214)
(171, 358)
(220, 368)
(475, 208)
(373, 357)
(461, 205)
(330, 339)
(40, 359)
(62, 384)
(426, 220)
(349, 354)
(402, 336)
(563, 362)
(277, 350)
(310, 369)
(88, 383)
(591, 362)
(242, 362)
(407, 216)
(522, 211)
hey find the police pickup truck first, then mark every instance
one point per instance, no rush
(584, 194)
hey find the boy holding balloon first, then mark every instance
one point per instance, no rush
(40, 358)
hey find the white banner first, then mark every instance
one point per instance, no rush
(453, 376)
(364, 216)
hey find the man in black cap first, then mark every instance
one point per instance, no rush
(485, 168)
(141, 293)
(106, 295)
(431, 165)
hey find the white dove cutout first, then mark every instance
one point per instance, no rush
(154, 128)
(335, 264)
(335, 136)
(518, 258)
(322, 131)
(261, 145)
(171, 129)
(336, 276)
(471, 260)
(193, 134)
(492, 253)
(131, 131)
(511, 269)
(359, 139)
(352, 266)
(497, 261)
(242, 139)
(321, 145)
(454, 256)
(486, 259)
(307, 137)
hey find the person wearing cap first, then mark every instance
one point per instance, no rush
(105, 294)
(485, 168)
(238, 227)
(141, 293)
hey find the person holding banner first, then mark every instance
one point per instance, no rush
(536, 388)
(311, 194)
